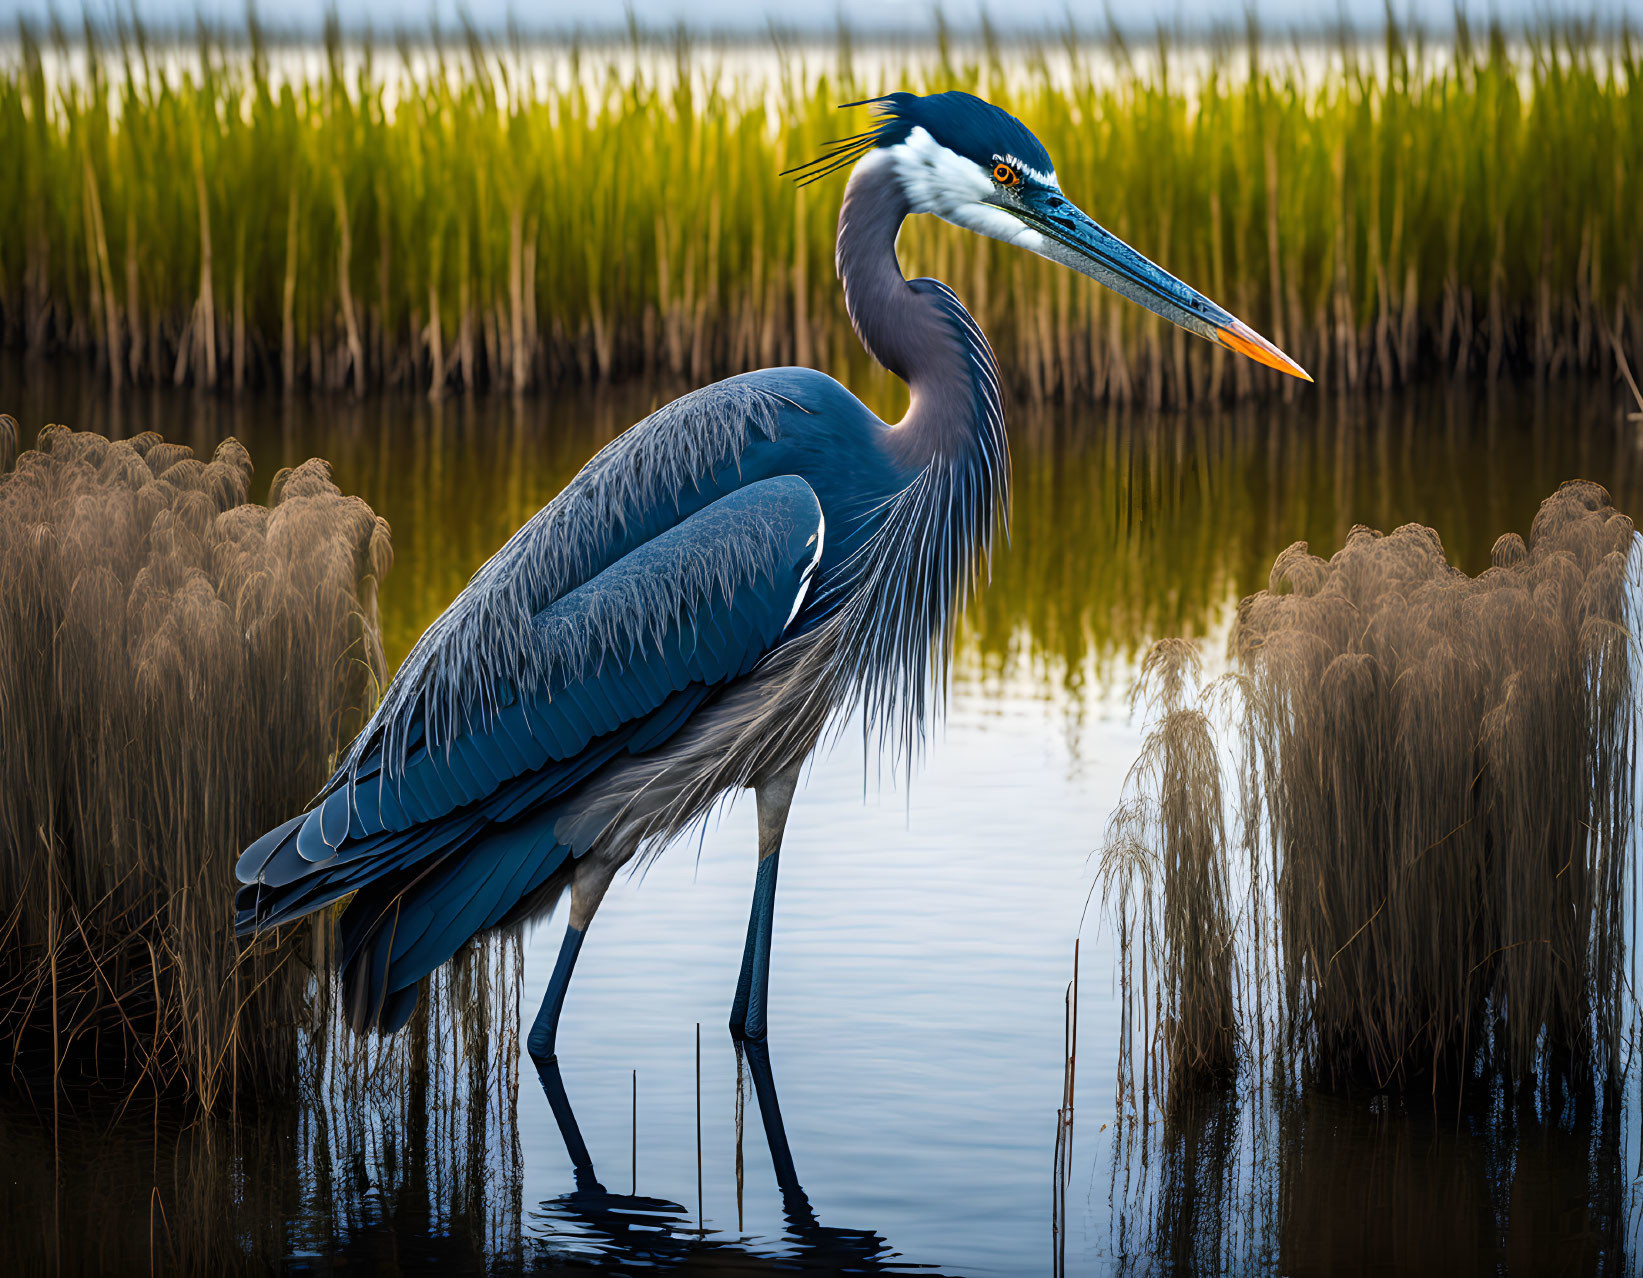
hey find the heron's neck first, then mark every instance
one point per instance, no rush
(917, 330)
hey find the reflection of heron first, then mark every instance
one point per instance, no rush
(701, 601)
(655, 1234)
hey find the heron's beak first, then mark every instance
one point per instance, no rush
(1064, 233)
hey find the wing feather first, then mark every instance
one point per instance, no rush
(632, 653)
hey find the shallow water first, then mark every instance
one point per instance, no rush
(924, 929)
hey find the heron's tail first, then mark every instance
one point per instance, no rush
(419, 896)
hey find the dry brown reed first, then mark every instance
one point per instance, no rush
(1174, 817)
(1062, 1180)
(1448, 764)
(1437, 780)
(181, 666)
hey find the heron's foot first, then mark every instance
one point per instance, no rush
(587, 1183)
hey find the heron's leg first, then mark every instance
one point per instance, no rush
(747, 1012)
(587, 890)
(553, 1086)
(546, 1025)
(794, 1200)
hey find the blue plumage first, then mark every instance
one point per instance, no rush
(685, 553)
(960, 123)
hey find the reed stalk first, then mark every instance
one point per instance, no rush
(1174, 822)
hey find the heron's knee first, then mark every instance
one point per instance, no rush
(588, 889)
(539, 1044)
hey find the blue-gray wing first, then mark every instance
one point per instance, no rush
(677, 461)
(620, 660)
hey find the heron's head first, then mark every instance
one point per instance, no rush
(978, 167)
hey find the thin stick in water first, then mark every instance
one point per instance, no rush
(741, 1100)
(698, 1127)
(1064, 1127)
(1072, 1051)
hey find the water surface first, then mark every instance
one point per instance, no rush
(925, 924)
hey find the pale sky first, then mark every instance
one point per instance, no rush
(1025, 16)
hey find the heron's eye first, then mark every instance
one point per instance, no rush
(1004, 175)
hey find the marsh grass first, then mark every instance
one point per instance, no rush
(1435, 787)
(181, 666)
(433, 1109)
(485, 214)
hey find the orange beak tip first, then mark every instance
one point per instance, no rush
(1240, 337)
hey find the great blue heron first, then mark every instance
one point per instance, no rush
(717, 586)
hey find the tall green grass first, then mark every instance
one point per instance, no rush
(448, 216)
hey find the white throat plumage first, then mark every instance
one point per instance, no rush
(956, 189)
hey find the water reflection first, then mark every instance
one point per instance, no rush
(592, 1224)
(396, 1156)
(104, 1188)
(1309, 1182)
(1129, 526)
